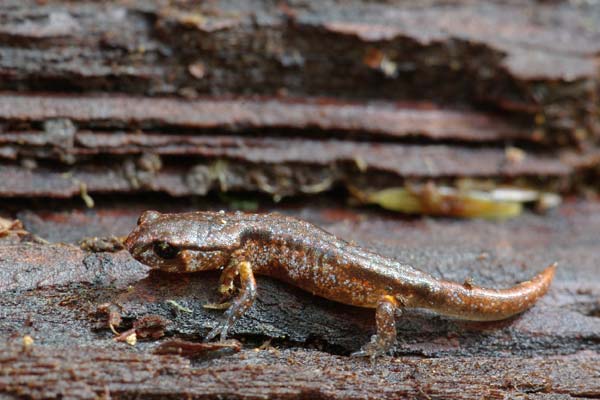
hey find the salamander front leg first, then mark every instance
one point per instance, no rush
(241, 303)
(226, 287)
(385, 338)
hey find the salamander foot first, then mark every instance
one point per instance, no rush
(384, 340)
(239, 305)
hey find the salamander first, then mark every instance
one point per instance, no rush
(302, 254)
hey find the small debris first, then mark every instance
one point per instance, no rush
(466, 202)
(377, 59)
(361, 164)
(87, 199)
(441, 200)
(178, 306)
(95, 244)
(266, 346)
(111, 314)
(514, 155)
(8, 227)
(27, 343)
(131, 339)
(373, 58)
(581, 134)
(147, 327)
(150, 162)
(540, 119)
(151, 326)
(29, 163)
(547, 201)
(141, 172)
(217, 306)
(197, 70)
(192, 20)
(193, 349)
(122, 337)
(389, 68)
(318, 187)
(218, 171)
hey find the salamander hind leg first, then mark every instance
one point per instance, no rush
(385, 339)
(240, 304)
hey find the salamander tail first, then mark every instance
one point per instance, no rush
(481, 304)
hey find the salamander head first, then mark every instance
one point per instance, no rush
(185, 242)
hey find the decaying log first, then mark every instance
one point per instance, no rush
(291, 98)
(91, 144)
(53, 292)
(479, 76)
(533, 57)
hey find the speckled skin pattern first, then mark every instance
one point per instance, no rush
(306, 256)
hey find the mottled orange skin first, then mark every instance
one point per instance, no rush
(304, 255)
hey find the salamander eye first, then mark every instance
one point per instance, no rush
(165, 250)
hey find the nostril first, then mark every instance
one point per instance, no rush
(129, 243)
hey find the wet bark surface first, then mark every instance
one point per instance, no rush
(295, 344)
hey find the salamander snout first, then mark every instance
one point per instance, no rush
(141, 236)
